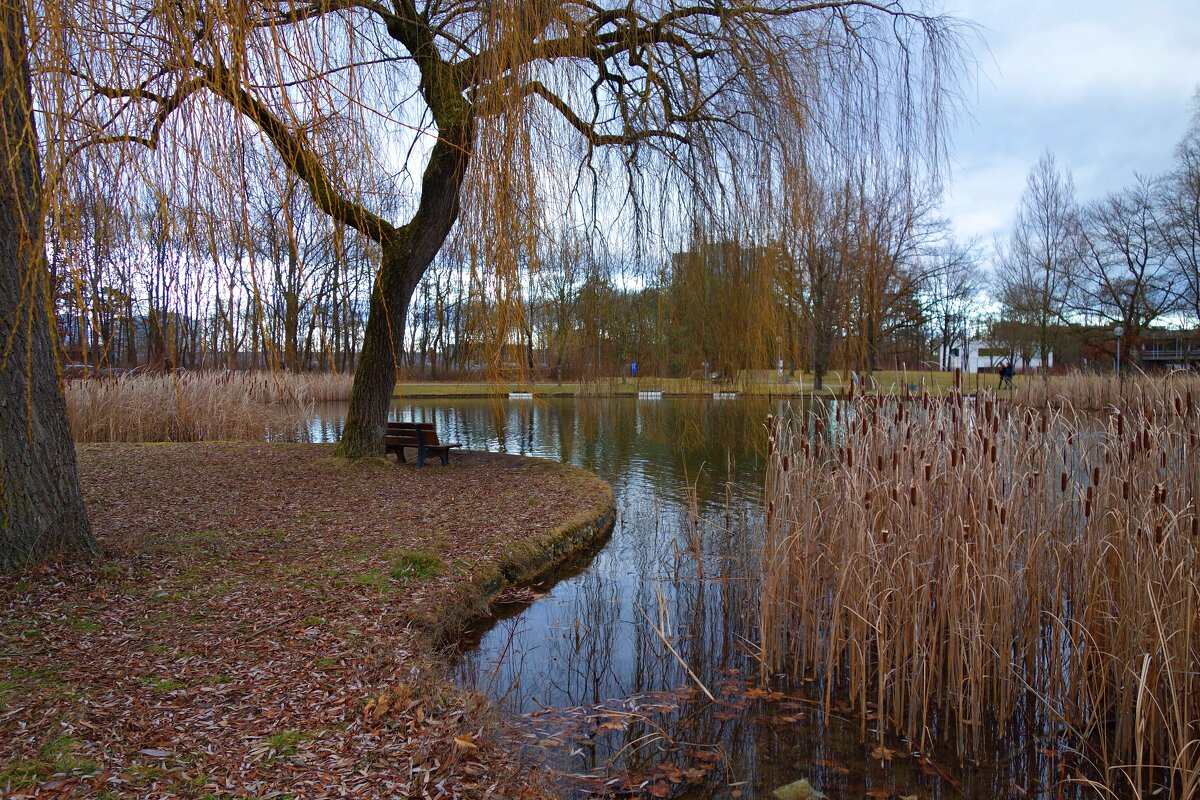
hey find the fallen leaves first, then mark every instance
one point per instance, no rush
(245, 636)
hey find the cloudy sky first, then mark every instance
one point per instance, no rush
(1106, 85)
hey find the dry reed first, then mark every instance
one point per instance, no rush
(192, 407)
(969, 571)
(1098, 391)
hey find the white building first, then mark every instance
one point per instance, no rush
(982, 355)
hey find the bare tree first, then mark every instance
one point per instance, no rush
(1038, 266)
(1126, 278)
(951, 284)
(1179, 219)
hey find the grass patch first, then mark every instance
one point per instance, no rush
(373, 578)
(55, 756)
(161, 684)
(81, 624)
(408, 565)
(281, 744)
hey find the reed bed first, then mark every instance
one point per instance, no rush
(974, 571)
(189, 407)
(1099, 391)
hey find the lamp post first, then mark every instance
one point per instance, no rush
(1118, 332)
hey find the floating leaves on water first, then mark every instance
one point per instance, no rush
(883, 753)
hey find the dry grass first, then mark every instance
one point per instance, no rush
(191, 407)
(968, 572)
(1099, 391)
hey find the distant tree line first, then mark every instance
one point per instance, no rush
(246, 273)
(1070, 275)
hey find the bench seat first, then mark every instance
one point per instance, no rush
(419, 435)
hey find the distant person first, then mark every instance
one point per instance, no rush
(1006, 375)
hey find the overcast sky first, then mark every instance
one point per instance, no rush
(1107, 86)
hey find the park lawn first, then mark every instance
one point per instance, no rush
(267, 619)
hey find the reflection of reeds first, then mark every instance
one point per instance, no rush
(196, 406)
(965, 572)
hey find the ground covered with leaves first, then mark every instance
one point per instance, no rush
(266, 622)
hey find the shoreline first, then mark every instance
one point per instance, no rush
(288, 632)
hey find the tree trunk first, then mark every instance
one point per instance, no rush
(41, 507)
(403, 261)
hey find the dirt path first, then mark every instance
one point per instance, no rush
(264, 621)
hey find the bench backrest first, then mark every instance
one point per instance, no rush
(406, 433)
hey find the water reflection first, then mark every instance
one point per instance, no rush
(606, 677)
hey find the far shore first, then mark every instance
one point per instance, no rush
(758, 385)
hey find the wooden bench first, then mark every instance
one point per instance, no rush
(421, 435)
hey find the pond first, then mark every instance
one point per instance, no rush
(633, 671)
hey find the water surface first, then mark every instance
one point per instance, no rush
(605, 674)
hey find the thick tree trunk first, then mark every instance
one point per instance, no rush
(404, 260)
(41, 507)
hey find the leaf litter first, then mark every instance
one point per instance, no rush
(249, 632)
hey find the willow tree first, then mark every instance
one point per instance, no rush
(41, 508)
(499, 116)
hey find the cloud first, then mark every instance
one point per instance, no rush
(1104, 85)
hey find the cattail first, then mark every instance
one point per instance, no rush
(1087, 503)
(1003, 518)
(1095, 476)
(1063, 483)
(912, 494)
